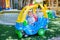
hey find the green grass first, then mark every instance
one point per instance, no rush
(7, 32)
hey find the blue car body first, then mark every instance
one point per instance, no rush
(33, 28)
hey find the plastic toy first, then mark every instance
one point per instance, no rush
(31, 21)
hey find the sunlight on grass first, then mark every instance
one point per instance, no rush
(10, 38)
(6, 31)
(10, 26)
(3, 34)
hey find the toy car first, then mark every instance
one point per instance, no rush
(31, 24)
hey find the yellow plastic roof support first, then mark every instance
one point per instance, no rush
(44, 11)
(34, 9)
(20, 14)
(45, 6)
(24, 12)
(45, 14)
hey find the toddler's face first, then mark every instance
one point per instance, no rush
(30, 14)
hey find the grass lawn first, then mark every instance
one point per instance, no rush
(7, 32)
